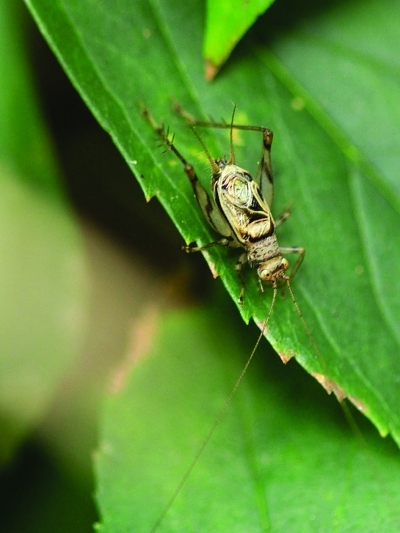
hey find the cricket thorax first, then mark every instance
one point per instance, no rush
(266, 255)
(243, 205)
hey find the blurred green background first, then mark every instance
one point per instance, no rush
(70, 284)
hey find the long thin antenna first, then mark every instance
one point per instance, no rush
(216, 422)
(305, 326)
(327, 383)
(213, 164)
(231, 148)
(343, 404)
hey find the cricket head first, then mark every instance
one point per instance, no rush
(273, 270)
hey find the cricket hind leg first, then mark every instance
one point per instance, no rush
(242, 260)
(282, 218)
(205, 201)
(225, 241)
(192, 121)
(264, 175)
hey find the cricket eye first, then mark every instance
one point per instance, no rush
(265, 274)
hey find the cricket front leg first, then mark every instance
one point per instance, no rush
(238, 268)
(225, 241)
(294, 250)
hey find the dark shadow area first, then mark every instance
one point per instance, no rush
(37, 497)
(285, 15)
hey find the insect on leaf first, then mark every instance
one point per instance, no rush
(326, 82)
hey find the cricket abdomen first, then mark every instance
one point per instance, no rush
(266, 255)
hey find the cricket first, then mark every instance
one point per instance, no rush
(239, 211)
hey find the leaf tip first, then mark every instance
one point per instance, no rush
(210, 69)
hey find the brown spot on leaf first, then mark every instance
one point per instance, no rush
(358, 403)
(211, 264)
(286, 357)
(330, 386)
(210, 70)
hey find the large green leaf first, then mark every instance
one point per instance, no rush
(283, 458)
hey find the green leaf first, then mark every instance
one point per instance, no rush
(41, 267)
(328, 88)
(282, 459)
(226, 24)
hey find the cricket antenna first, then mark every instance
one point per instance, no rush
(339, 394)
(324, 378)
(213, 164)
(305, 325)
(231, 148)
(217, 420)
